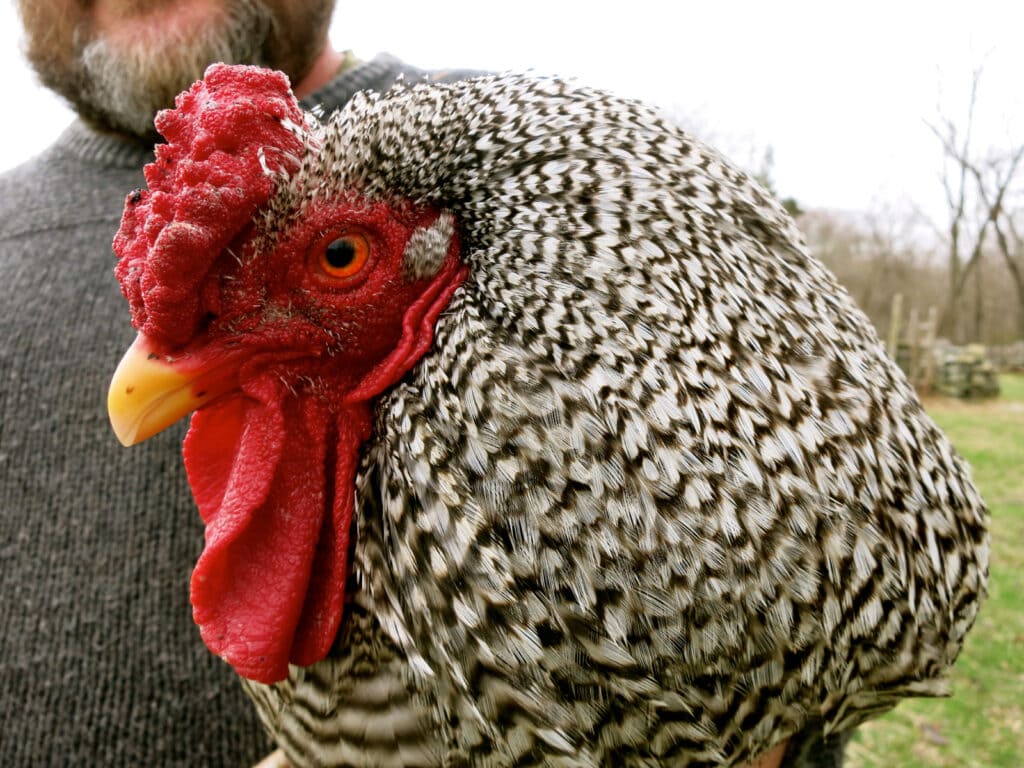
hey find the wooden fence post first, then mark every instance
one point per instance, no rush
(894, 325)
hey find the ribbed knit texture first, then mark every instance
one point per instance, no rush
(100, 662)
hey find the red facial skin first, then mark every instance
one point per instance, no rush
(293, 353)
(272, 464)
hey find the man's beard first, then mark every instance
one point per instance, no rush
(124, 85)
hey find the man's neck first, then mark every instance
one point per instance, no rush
(324, 68)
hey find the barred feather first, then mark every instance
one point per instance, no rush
(657, 496)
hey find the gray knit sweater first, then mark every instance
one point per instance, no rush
(100, 663)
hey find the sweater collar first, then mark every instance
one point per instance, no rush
(377, 74)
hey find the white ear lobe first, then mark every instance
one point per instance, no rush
(427, 247)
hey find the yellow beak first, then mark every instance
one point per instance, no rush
(150, 392)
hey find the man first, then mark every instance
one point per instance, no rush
(100, 662)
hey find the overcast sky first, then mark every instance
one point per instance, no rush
(839, 91)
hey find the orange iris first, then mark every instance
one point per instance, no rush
(345, 256)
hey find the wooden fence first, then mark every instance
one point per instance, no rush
(934, 365)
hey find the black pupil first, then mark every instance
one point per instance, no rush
(340, 253)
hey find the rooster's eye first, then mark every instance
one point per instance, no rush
(345, 256)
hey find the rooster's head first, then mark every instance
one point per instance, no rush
(275, 308)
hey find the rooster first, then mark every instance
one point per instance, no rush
(527, 432)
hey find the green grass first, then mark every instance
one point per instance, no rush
(982, 724)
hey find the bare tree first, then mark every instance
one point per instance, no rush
(976, 193)
(992, 188)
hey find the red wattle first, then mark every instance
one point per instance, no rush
(258, 463)
(325, 596)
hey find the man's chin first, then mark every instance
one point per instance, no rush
(132, 71)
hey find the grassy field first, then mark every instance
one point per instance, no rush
(982, 725)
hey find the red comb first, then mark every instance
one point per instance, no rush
(207, 181)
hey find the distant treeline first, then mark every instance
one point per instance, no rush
(878, 255)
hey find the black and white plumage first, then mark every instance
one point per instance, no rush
(656, 496)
